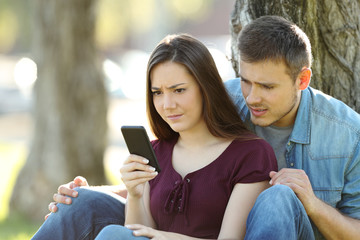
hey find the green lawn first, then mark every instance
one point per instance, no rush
(12, 158)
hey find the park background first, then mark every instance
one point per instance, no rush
(124, 42)
(72, 72)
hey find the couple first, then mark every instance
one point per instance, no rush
(315, 195)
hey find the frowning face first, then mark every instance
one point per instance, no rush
(177, 97)
(270, 93)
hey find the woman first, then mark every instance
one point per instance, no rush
(213, 168)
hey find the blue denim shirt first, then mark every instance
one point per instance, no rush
(325, 143)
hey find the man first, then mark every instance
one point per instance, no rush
(316, 139)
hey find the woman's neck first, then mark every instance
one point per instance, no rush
(198, 139)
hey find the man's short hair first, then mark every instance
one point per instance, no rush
(276, 39)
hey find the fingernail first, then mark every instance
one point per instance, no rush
(152, 169)
(68, 201)
(270, 182)
(146, 161)
(154, 173)
(52, 208)
(74, 194)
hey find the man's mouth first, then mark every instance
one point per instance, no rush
(258, 112)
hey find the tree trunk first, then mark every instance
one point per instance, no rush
(333, 27)
(70, 105)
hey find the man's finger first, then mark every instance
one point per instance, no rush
(46, 216)
(52, 207)
(65, 190)
(81, 181)
(62, 199)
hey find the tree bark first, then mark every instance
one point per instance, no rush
(333, 27)
(70, 100)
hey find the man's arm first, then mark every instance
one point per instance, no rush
(330, 222)
(66, 191)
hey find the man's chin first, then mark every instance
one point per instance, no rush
(260, 122)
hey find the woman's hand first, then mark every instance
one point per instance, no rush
(66, 191)
(135, 173)
(141, 230)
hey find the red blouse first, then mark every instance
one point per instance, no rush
(195, 205)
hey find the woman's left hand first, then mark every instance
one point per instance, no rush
(141, 230)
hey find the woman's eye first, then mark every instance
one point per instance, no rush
(156, 93)
(179, 90)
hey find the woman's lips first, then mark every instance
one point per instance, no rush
(174, 117)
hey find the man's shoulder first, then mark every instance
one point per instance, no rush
(233, 86)
(326, 106)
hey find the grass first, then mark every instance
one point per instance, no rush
(16, 228)
(12, 158)
(12, 227)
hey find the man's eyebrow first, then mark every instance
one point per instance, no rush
(259, 83)
(171, 87)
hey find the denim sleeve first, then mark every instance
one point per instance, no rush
(350, 203)
(233, 88)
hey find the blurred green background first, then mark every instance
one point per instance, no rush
(126, 32)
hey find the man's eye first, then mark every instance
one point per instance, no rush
(267, 87)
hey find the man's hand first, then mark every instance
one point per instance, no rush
(66, 191)
(299, 182)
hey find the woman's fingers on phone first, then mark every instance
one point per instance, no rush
(131, 166)
(130, 184)
(136, 158)
(137, 177)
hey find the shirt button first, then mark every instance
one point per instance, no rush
(292, 164)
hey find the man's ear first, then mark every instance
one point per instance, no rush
(304, 76)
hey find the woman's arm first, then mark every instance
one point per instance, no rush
(138, 209)
(135, 173)
(241, 201)
(233, 226)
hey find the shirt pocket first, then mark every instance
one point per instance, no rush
(330, 196)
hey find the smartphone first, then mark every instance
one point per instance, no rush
(137, 142)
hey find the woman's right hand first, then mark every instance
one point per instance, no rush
(66, 191)
(135, 173)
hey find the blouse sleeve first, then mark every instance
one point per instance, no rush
(253, 162)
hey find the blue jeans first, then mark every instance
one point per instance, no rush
(278, 214)
(90, 212)
(113, 232)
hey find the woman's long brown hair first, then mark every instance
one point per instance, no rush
(219, 112)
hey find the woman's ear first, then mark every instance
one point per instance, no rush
(304, 76)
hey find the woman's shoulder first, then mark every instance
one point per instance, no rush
(252, 141)
(253, 146)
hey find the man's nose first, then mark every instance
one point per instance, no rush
(254, 96)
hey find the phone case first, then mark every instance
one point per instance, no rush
(137, 142)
